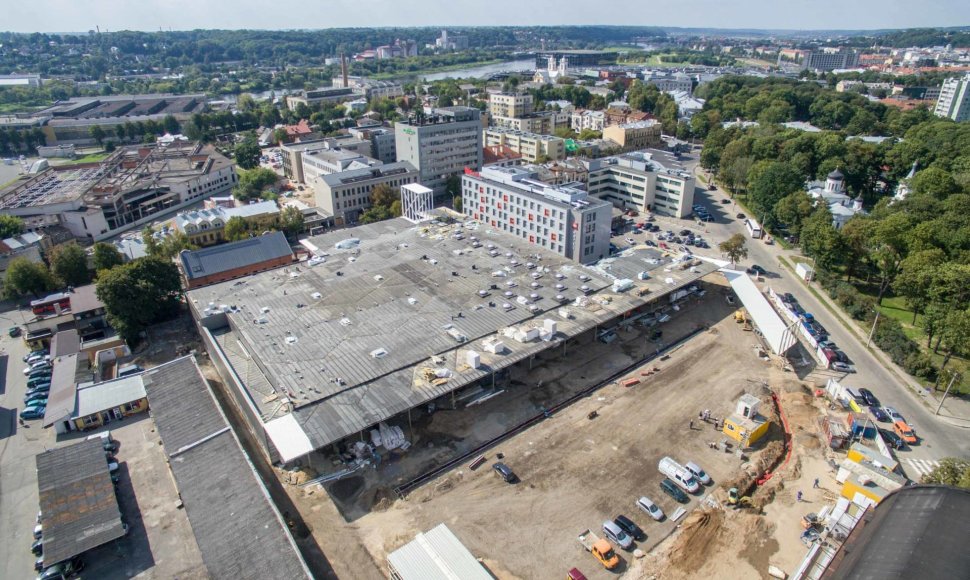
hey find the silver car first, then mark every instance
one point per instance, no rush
(613, 532)
(652, 509)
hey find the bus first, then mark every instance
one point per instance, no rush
(52, 304)
(753, 228)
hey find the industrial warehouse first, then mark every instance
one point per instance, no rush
(394, 318)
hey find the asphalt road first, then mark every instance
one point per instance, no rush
(938, 438)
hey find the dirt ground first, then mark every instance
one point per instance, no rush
(575, 472)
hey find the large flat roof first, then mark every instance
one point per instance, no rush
(238, 529)
(342, 345)
(436, 555)
(78, 506)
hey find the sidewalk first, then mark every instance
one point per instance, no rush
(955, 411)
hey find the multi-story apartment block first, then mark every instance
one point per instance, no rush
(347, 194)
(381, 141)
(292, 153)
(562, 219)
(329, 161)
(543, 122)
(830, 59)
(636, 135)
(586, 119)
(954, 100)
(509, 104)
(531, 146)
(667, 82)
(441, 144)
(650, 180)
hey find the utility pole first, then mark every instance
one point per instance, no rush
(947, 391)
(873, 331)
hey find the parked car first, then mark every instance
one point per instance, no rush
(33, 412)
(842, 367)
(37, 547)
(903, 429)
(505, 472)
(575, 574)
(698, 473)
(619, 537)
(37, 381)
(894, 415)
(670, 488)
(879, 414)
(62, 569)
(36, 357)
(756, 269)
(630, 241)
(840, 356)
(38, 531)
(31, 399)
(647, 505)
(893, 440)
(37, 366)
(868, 397)
(629, 527)
(706, 218)
(36, 353)
(741, 216)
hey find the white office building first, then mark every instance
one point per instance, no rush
(954, 101)
(646, 181)
(441, 144)
(563, 219)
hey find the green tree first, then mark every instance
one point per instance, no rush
(735, 247)
(456, 203)
(236, 229)
(98, 134)
(954, 337)
(792, 210)
(247, 152)
(138, 294)
(590, 134)
(775, 181)
(69, 264)
(152, 247)
(381, 195)
(453, 185)
(280, 135)
(106, 256)
(820, 240)
(953, 471)
(174, 243)
(916, 277)
(10, 226)
(564, 133)
(26, 277)
(889, 246)
(171, 125)
(291, 221)
(252, 183)
(934, 182)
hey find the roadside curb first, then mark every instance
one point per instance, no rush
(881, 357)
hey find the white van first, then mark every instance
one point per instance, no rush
(678, 474)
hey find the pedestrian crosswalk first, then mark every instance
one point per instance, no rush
(917, 468)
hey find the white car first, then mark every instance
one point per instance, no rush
(699, 473)
(894, 415)
(630, 241)
(654, 511)
(315, 260)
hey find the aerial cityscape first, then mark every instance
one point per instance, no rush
(493, 291)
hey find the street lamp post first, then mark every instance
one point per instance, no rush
(873, 331)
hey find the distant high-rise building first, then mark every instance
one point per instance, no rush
(440, 144)
(826, 60)
(954, 100)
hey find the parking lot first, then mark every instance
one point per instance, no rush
(159, 543)
(575, 472)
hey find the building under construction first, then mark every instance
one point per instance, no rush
(131, 187)
(396, 317)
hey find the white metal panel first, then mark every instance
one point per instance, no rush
(772, 327)
(288, 437)
(436, 555)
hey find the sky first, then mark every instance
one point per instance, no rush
(83, 15)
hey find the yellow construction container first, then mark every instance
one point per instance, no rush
(746, 425)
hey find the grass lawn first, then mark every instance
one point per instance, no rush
(91, 158)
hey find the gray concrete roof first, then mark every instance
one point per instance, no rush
(224, 257)
(306, 335)
(238, 529)
(79, 509)
(108, 395)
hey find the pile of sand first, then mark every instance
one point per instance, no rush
(297, 476)
(698, 535)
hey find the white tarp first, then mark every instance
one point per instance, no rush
(772, 327)
(288, 437)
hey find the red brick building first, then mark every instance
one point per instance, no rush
(234, 260)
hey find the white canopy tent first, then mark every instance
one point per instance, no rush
(777, 334)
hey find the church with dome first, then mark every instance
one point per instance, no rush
(832, 192)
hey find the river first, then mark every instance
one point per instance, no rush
(477, 72)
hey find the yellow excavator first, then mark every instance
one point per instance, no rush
(741, 317)
(736, 500)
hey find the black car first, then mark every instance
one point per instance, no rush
(756, 269)
(505, 472)
(627, 525)
(867, 395)
(670, 488)
(893, 440)
(842, 358)
(37, 548)
(789, 298)
(740, 216)
(684, 232)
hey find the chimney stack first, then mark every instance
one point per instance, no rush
(343, 68)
